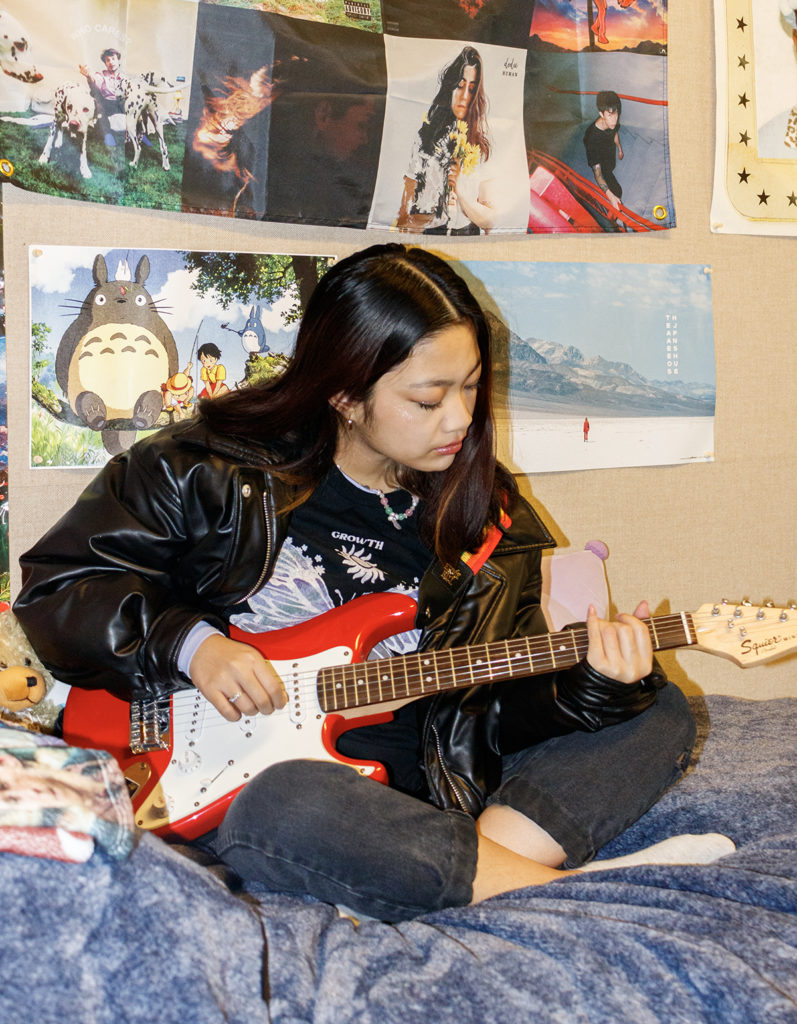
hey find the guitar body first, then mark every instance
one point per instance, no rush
(183, 789)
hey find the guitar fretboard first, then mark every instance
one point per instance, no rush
(418, 675)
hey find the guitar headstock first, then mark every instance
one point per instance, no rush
(747, 634)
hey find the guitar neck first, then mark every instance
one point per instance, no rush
(411, 676)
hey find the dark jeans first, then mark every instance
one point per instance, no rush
(322, 829)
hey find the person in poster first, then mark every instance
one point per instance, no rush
(105, 87)
(603, 147)
(445, 188)
(444, 167)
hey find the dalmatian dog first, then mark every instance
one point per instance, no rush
(15, 58)
(140, 94)
(20, 75)
(75, 113)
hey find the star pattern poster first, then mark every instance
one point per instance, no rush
(755, 167)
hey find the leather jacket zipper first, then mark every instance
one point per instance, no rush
(454, 788)
(269, 544)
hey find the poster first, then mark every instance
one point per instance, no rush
(598, 71)
(344, 112)
(599, 365)
(755, 166)
(125, 341)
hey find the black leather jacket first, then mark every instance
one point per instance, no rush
(184, 526)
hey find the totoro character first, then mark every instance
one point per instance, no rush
(253, 335)
(113, 359)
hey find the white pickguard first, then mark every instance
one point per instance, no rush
(212, 757)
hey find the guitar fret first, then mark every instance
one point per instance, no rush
(426, 672)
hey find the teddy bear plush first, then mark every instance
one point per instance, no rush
(25, 684)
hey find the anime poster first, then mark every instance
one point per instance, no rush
(126, 341)
(91, 107)
(453, 159)
(596, 116)
(600, 364)
(755, 168)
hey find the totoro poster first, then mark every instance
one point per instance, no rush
(125, 341)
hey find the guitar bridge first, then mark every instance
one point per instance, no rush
(150, 726)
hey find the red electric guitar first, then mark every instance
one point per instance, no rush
(184, 763)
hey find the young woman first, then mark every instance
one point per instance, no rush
(440, 196)
(367, 467)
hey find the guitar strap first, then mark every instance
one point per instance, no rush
(476, 559)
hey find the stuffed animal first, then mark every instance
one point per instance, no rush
(25, 684)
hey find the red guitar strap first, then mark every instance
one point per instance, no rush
(476, 559)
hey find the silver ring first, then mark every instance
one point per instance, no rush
(234, 698)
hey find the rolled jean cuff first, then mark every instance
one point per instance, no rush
(542, 807)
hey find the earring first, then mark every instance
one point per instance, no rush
(349, 423)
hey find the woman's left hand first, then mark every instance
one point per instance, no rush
(454, 171)
(621, 649)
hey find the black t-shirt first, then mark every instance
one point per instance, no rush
(600, 146)
(341, 545)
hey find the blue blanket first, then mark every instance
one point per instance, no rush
(162, 937)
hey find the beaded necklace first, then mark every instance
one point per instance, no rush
(396, 518)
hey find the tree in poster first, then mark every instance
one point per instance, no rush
(244, 276)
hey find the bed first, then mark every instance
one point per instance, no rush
(164, 934)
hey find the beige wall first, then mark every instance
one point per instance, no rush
(680, 536)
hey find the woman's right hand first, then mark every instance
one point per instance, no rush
(222, 669)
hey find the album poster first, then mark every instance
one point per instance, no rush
(596, 117)
(413, 187)
(70, 85)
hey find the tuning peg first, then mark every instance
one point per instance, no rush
(769, 604)
(760, 614)
(783, 617)
(792, 606)
(737, 613)
(747, 602)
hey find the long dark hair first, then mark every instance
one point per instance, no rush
(440, 118)
(364, 318)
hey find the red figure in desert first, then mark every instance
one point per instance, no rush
(599, 24)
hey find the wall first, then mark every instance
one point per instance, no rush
(680, 536)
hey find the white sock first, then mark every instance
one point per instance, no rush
(684, 849)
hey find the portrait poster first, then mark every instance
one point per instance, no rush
(583, 55)
(755, 165)
(125, 341)
(599, 365)
(414, 150)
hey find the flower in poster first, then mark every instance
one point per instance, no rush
(469, 154)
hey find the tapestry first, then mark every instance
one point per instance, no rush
(458, 117)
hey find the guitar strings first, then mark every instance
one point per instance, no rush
(305, 685)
